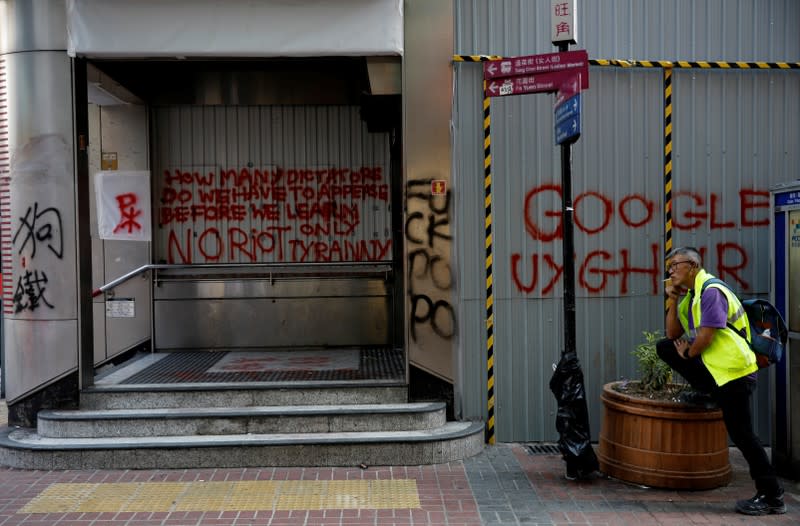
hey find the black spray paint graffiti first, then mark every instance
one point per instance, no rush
(37, 227)
(30, 291)
(427, 233)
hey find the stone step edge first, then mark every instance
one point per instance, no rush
(241, 411)
(244, 386)
(27, 439)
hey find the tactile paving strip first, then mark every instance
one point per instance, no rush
(284, 495)
(193, 367)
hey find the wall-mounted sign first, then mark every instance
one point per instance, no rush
(438, 187)
(120, 308)
(108, 161)
(787, 198)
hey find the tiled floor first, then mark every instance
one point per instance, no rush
(504, 485)
(341, 496)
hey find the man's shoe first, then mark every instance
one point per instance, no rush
(571, 473)
(762, 504)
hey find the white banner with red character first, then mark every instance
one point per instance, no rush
(123, 205)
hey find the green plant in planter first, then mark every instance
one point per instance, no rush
(655, 374)
(650, 436)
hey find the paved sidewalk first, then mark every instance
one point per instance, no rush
(504, 485)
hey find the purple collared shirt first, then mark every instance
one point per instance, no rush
(713, 309)
(713, 312)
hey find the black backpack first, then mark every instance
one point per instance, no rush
(768, 331)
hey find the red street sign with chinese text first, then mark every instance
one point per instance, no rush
(545, 63)
(568, 89)
(541, 83)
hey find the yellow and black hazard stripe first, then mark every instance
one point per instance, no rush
(475, 58)
(487, 185)
(487, 203)
(699, 64)
(667, 166)
(684, 64)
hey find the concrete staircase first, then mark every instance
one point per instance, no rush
(240, 425)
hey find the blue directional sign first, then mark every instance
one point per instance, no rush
(787, 198)
(568, 120)
(568, 130)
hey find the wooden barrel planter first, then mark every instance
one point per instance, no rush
(662, 443)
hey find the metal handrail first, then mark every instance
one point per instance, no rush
(122, 279)
(154, 266)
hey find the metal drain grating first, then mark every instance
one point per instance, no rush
(542, 449)
(193, 367)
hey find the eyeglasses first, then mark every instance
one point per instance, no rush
(674, 264)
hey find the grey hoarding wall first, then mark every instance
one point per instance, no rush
(734, 135)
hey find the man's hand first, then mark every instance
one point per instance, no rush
(674, 291)
(700, 343)
(682, 346)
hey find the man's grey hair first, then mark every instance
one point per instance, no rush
(690, 253)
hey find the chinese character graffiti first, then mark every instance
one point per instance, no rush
(37, 227)
(41, 227)
(128, 213)
(30, 291)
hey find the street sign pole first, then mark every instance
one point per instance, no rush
(567, 245)
(572, 419)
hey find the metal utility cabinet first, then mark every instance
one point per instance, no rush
(785, 293)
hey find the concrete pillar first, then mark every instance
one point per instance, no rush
(38, 196)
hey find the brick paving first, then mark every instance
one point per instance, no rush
(504, 485)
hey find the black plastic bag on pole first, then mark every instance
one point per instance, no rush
(572, 419)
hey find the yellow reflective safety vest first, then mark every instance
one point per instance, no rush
(728, 357)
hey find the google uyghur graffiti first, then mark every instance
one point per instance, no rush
(614, 270)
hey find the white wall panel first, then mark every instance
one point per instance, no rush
(121, 131)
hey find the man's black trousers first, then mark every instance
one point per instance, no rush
(734, 399)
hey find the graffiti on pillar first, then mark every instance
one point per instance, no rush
(29, 293)
(625, 270)
(39, 227)
(430, 275)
